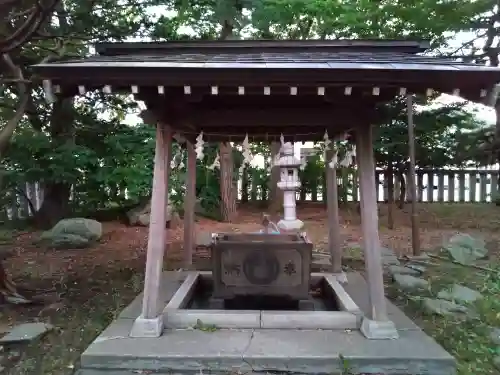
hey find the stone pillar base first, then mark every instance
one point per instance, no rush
(290, 225)
(379, 330)
(144, 327)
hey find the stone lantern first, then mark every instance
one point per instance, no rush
(289, 183)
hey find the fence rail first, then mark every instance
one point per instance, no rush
(433, 185)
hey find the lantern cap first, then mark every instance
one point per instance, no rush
(287, 158)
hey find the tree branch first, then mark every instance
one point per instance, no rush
(36, 16)
(7, 132)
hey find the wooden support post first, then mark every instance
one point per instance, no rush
(377, 324)
(390, 195)
(189, 204)
(332, 199)
(150, 322)
(415, 236)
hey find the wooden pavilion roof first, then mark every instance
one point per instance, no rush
(264, 88)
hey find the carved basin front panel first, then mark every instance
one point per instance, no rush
(261, 264)
(261, 267)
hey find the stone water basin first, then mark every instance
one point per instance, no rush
(332, 307)
(261, 264)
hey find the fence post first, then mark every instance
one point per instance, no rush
(494, 186)
(472, 186)
(483, 181)
(440, 186)
(451, 186)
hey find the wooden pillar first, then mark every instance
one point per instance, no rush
(377, 324)
(189, 204)
(334, 241)
(150, 322)
(415, 236)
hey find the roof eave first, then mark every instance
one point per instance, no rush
(256, 46)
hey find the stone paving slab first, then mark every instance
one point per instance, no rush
(191, 351)
(171, 280)
(229, 351)
(357, 288)
(26, 332)
(185, 351)
(321, 351)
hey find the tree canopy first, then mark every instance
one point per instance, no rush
(86, 155)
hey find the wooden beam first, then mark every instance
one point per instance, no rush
(201, 99)
(274, 135)
(286, 117)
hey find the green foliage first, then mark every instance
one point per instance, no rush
(329, 19)
(437, 136)
(312, 174)
(88, 145)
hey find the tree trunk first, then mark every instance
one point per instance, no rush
(55, 205)
(390, 196)
(402, 190)
(8, 290)
(275, 198)
(497, 143)
(228, 198)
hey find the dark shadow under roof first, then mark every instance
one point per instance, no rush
(259, 46)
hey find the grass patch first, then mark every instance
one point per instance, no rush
(91, 297)
(468, 340)
(88, 305)
(7, 236)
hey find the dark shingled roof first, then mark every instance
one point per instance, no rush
(251, 54)
(311, 60)
(383, 63)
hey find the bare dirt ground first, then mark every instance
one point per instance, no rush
(83, 290)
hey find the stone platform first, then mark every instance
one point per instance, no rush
(225, 351)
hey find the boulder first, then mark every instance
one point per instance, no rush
(416, 267)
(495, 336)
(389, 257)
(75, 233)
(140, 215)
(198, 208)
(402, 270)
(443, 307)
(424, 257)
(69, 241)
(410, 283)
(460, 294)
(465, 249)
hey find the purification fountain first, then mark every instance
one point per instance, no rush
(242, 90)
